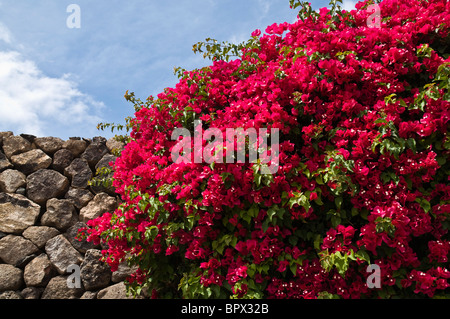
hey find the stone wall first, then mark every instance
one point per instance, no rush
(44, 199)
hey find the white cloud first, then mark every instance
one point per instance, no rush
(5, 34)
(348, 5)
(33, 103)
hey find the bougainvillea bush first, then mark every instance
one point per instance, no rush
(363, 178)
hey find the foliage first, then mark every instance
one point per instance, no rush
(364, 164)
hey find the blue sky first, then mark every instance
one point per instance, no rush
(58, 81)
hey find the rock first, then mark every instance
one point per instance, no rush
(82, 246)
(31, 161)
(104, 163)
(57, 288)
(94, 153)
(114, 145)
(80, 197)
(21, 191)
(45, 184)
(29, 137)
(32, 293)
(39, 235)
(117, 291)
(4, 162)
(99, 140)
(14, 145)
(60, 214)
(11, 180)
(5, 135)
(62, 254)
(25, 260)
(10, 295)
(62, 159)
(101, 204)
(75, 146)
(14, 249)
(95, 274)
(49, 145)
(79, 173)
(11, 278)
(122, 272)
(38, 272)
(105, 160)
(17, 213)
(89, 295)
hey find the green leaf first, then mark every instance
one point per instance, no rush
(271, 212)
(411, 143)
(293, 240)
(335, 221)
(426, 206)
(293, 268)
(338, 202)
(363, 255)
(327, 295)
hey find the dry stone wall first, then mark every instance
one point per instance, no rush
(44, 199)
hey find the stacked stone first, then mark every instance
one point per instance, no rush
(44, 199)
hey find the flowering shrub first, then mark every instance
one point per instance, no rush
(363, 172)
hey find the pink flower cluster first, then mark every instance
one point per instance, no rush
(364, 162)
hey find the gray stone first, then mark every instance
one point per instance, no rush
(31, 161)
(80, 197)
(62, 254)
(25, 260)
(99, 140)
(62, 159)
(105, 161)
(5, 135)
(75, 146)
(79, 173)
(123, 272)
(14, 249)
(11, 180)
(4, 162)
(13, 145)
(117, 291)
(102, 174)
(72, 233)
(101, 204)
(32, 293)
(38, 272)
(89, 295)
(94, 153)
(60, 214)
(11, 278)
(29, 137)
(39, 235)
(10, 295)
(95, 274)
(45, 184)
(49, 145)
(17, 213)
(57, 288)
(114, 145)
